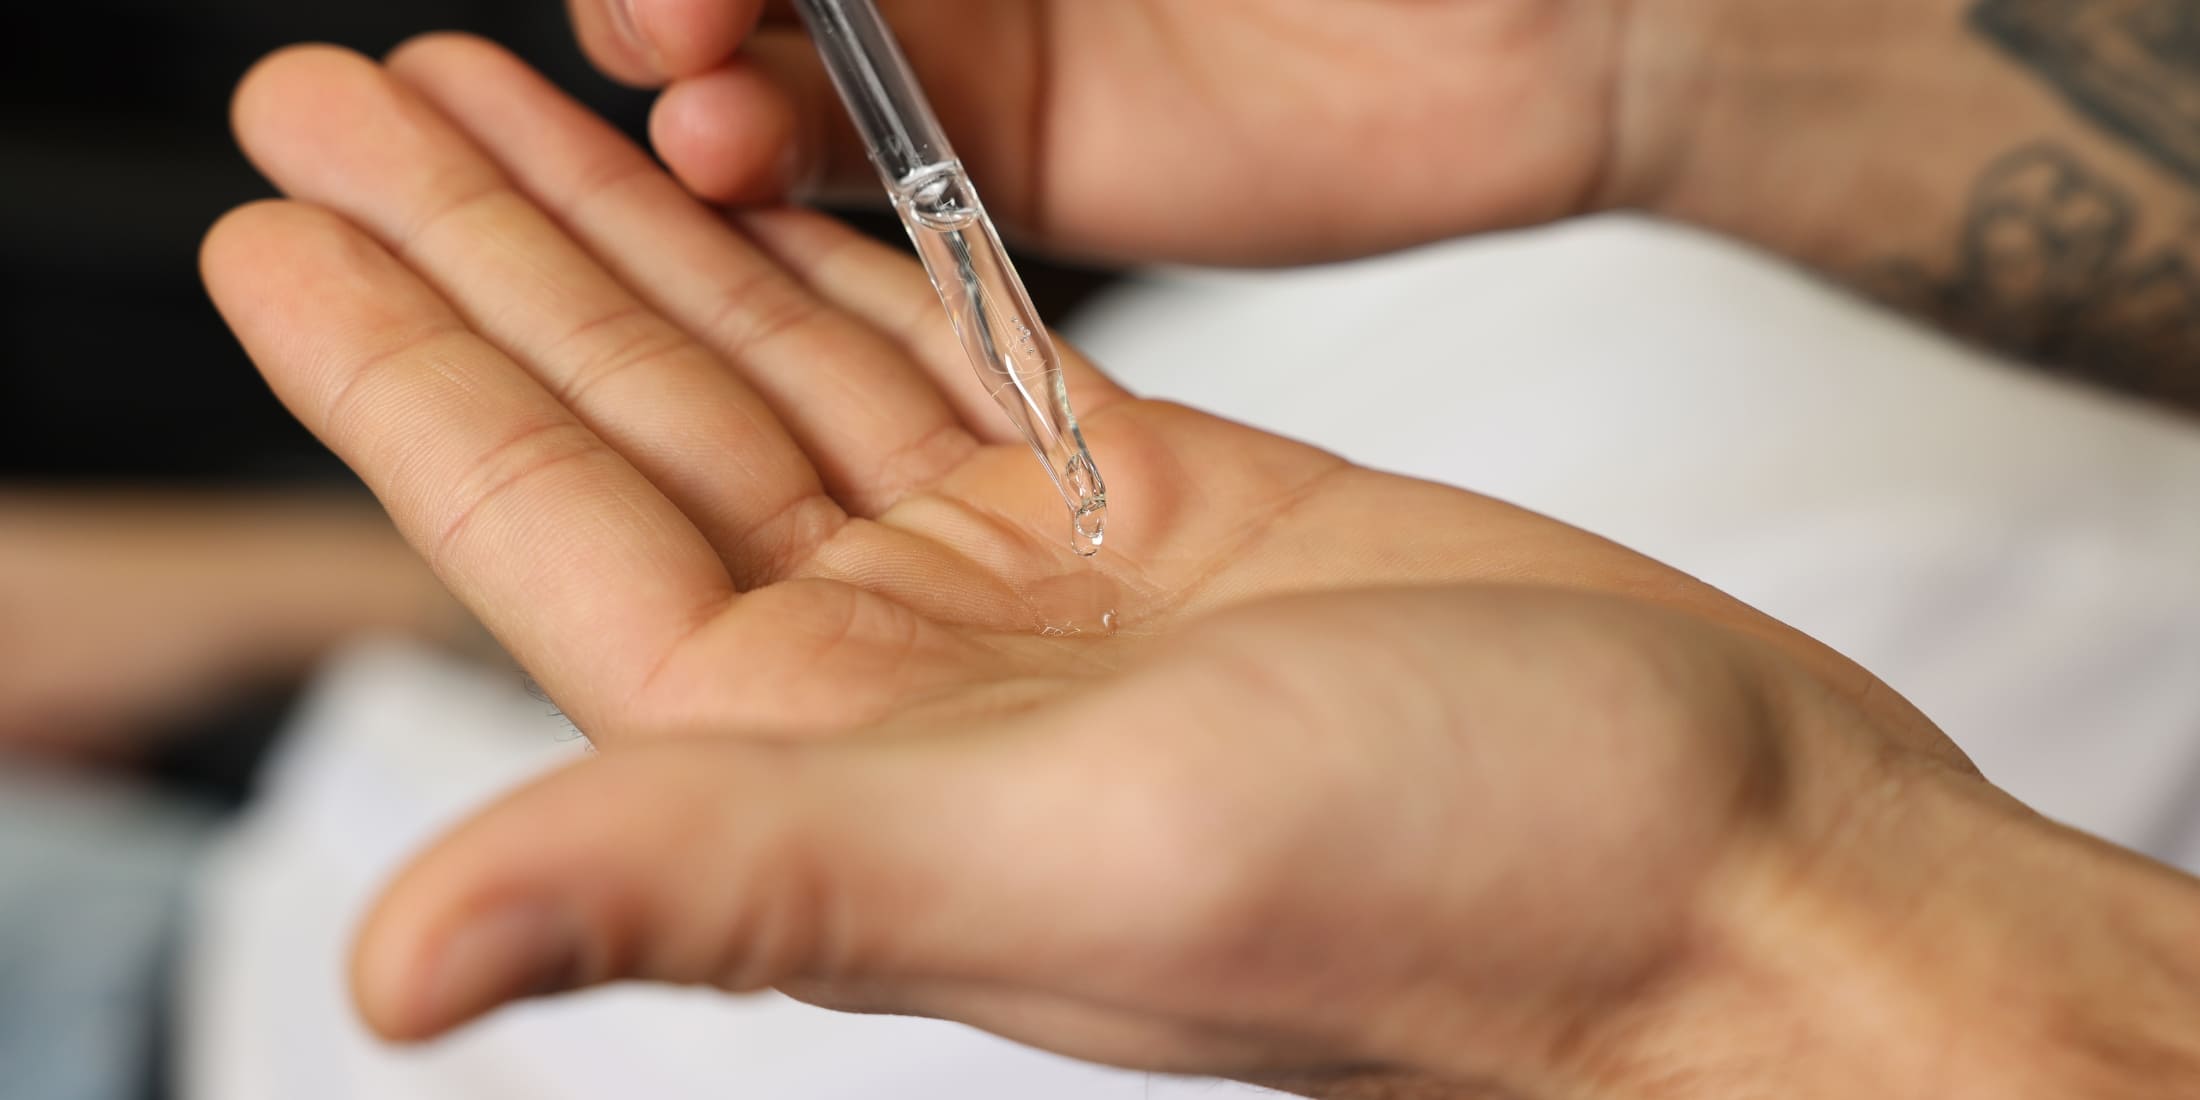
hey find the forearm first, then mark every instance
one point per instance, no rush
(2025, 173)
(325, 571)
(267, 581)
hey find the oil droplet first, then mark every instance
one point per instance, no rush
(1089, 526)
(1088, 517)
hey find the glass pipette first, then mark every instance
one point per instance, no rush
(991, 311)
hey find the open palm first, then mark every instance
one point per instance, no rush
(701, 477)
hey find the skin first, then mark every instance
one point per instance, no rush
(1378, 788)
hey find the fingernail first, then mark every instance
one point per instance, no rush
(630, 28)
(522, 950)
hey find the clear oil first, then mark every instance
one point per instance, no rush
(1002, 334)
(1074, 602)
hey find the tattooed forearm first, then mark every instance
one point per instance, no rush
(2133, 66)
(2049, 266)
(2058, 259)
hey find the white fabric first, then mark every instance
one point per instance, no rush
(2020, 557)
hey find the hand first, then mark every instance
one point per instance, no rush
(1372, 773)
(1870, 139)
(1254, 131)
(122, 616)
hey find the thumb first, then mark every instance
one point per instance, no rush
(738, 865)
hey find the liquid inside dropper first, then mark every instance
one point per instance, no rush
(1003, 336)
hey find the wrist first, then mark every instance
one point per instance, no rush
(1836, 134)
(1928, 937)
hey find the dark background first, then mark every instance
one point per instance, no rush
(114, 158)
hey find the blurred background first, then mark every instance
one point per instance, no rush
(165, 526)
(231, 701)
(111, 166)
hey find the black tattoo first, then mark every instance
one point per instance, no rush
(2133, 65)
(2049, 268)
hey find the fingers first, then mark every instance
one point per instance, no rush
(874, 425)
(519, 507)
(332, 127)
